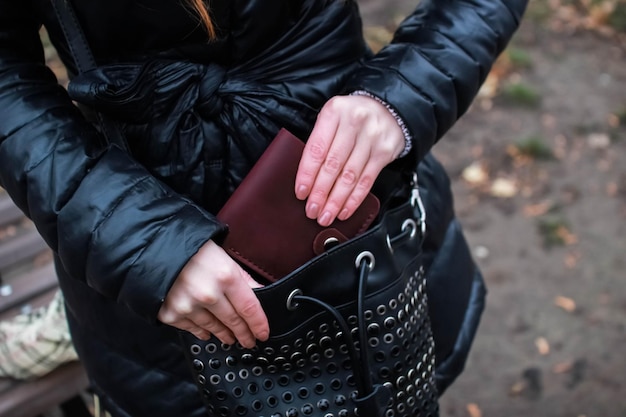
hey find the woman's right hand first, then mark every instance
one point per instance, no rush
(213, 295)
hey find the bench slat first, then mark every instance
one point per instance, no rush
(32, 398)
(35, 286)
(28, 289)
(20, 248)
(9, 213)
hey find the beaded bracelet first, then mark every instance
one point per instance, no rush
(408, 138)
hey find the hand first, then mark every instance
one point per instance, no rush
(354, 138)
(213, 295)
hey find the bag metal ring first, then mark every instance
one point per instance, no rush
(330, 243)
(410, 223)
(388, 241)
(292, 304)
(366, 256)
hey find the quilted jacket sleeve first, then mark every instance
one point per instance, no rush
(113, 225)
(438, 59)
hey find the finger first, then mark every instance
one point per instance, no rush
(189, 326)
(200, 333)
(360, 191)
(340, 150)
(228, 316)
(315, 150)
(248, 308)
(240, 311)
(206, 321)
(349, 177)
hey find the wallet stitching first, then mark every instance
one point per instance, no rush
(366, 224)
(363, 228)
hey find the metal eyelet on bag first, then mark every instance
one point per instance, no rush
(365, 256)
(330, 243)
(410, 224)
(292, 305)
(198, 365)
(388, 242)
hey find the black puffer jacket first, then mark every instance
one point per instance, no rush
(122, 226)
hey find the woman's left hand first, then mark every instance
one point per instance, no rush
(354, 138)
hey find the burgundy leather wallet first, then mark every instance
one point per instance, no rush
(268, 231)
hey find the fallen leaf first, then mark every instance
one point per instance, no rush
(530, 386)
(539, 209)
(598, 141)
(565, 303)
(489, 87)
(503, 188)
(563, 367)
(474, 410)
(517, 388)
(566, 235)
(475, 174)
(481, 252)
(542, 346)
(599, 14)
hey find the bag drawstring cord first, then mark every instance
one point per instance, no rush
(372, 399)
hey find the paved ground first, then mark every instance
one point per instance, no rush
(539, 175)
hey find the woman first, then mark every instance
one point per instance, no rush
(134, 233)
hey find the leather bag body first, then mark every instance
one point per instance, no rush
(369, 291)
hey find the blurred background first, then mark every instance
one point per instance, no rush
(538, 167)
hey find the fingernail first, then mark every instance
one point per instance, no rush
(312, 210)
(302, 192)
(343, 215)
(325, 219)
(263, 335)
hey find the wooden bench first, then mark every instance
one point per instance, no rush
(29, 281)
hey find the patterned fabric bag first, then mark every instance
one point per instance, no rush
(34, 344)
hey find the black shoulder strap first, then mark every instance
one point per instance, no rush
(84, 60)
(74, 35)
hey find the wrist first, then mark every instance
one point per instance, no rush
(408, 138)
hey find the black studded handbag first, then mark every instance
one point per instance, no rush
(350, 335)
